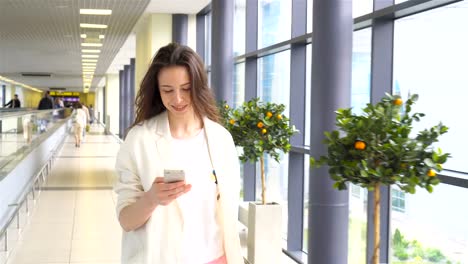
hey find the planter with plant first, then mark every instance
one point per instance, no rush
(260, 129)
(377, 148)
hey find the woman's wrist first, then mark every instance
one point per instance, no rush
(149, 201)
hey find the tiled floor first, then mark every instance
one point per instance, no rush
(73, 221)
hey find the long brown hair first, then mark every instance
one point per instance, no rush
(148, 101)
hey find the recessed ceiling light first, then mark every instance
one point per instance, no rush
(90, 51)
(88, 60)
(91, 44)
(88, 64)
(95, 12)
(101, 36)
(89, 56)
(83, 36)
(85, 25)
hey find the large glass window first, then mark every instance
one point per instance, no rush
(360, 96)
(239, 84)
(432, 228)
(307, 94)
(431, 59)
(305, 241)
(239, 27)
(273, 86)
(362, 7)
(361, 69)
(208, 39)
(274, 22)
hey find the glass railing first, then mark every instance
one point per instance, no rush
(24, 129)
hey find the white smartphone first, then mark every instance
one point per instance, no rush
(173, 175)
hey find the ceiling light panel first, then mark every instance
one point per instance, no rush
(89, 56)
(88, 60)
(90, 51)
(91, 44)
(102, 12)
(85, 25)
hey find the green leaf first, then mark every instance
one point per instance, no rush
(336, 185)
(429, 188)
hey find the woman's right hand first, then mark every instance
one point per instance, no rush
(162, 193)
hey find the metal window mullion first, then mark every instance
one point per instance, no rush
(297, 118)
(131, 95)
(201, 35)
(251, 69)
(121, 103)
(381, 83)
(180, 28)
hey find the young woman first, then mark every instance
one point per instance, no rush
(191, 221)
(79, 122)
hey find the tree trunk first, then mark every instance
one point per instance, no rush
(262, 169)
(376, 257)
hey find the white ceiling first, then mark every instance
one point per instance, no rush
(43, 36)
(128, 49)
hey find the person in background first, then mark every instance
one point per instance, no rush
(58, 103)
(79, 122)
(13, 103)
(46, 102)
(85, 109)
(176, 127)
(91, 114)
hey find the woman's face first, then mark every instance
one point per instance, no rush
(175, 88)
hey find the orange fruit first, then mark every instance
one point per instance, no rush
(226, 106)
(259, 124)
(269, 114)
(431, 173)
(398, 101)
(360, 145)
(264, 131)
(232, 121)
(279, 117)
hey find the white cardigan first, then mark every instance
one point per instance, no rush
(143, 157)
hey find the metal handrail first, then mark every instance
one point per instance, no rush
(39, 178)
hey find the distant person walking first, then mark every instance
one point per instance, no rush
(91, 114)
(14, 103)
(79, 122)
(46, 102)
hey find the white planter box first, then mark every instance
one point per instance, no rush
(264, 233)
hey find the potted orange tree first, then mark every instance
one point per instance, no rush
(377, 148)
(261, 129)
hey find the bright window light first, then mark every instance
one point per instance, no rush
(85, 25)
(95, 12)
